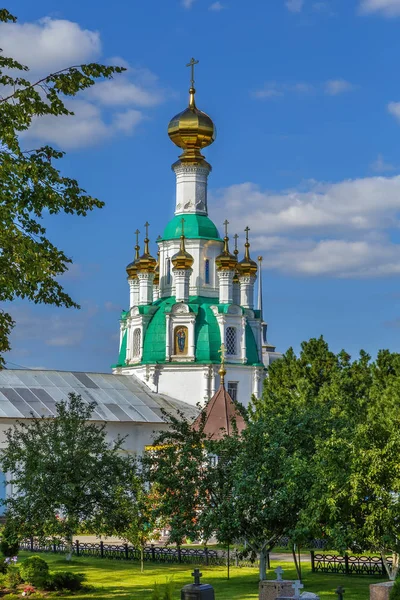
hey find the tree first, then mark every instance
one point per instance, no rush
(31, 184)
(67, 473)
(356, 494)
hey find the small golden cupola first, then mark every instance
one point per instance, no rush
(226, 261)
(182, 260)
(192, 129)
(247, 267)
(131, 269)
(146, 263)
(157, 267)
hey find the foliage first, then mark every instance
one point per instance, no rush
(68, 471)
(13, 577)
(11, 597)
(32, 185)
(34, 570)
(9, 543)
(65, 580)
(395, 591)
(2, 580)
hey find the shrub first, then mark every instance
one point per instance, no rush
(9, 544)
(11, 597)
(3, 565)
(65, 580)
(395, 591)
(34, 570)
(2, 581)
(13, 577)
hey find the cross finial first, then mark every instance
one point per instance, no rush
(147, 224)
(191, 64)
(297, 586)
(196, 574)
(236, 237)
(183, 226)
(247, 229)
(222, 371)
(137, 236)
(226, 223)
(279, 573)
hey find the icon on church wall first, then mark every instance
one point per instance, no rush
(181, 340)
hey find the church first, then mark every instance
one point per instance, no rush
(190, 308)
(197, 293)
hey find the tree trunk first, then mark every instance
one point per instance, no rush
(141, 558)
(229, 561)
(296, 560)
(69, 546)
(263, 564)
(393, 569)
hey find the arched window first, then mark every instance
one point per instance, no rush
(207, 271)
(181, 340)
(168, 270)
(137, 336)
(230, 340)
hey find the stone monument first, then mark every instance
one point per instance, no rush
(380, 591)
(197, 590)
(278, 588)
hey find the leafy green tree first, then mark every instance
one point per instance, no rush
(67, 473)
(32, 185)
(356, 494)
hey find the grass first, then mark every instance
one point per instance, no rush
(120, 580)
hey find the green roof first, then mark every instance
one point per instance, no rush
(207, 334)
(196, 227)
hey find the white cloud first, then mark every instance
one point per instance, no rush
(216, 6)
(102, 111)
(188, 3)
(389, 8)
(272, 89)
(294, 6)
(334, 87)
(338, 229)
(379, 165)
(49, 44)
(394, 109)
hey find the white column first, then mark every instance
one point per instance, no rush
(168, 336)
(226, 286)
(247, 291)
(236, 293)
(191, 339)
(191, 188)
(145, 288)
(156, 293)
(243, 347)
(182, 278)
(133, 292)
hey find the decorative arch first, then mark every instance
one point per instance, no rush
(137, 342)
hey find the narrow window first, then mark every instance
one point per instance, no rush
(136, 343)
(230, 340)
(207, 271)
(168, 270)
(233, 390)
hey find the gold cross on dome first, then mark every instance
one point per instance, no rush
(183, 226)
(191, 64)
(137, 236)
(236, 237)
(247, 229)
(147, 228)
(226, 223)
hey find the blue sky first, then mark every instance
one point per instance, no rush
(306, 98)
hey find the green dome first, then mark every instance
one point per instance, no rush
(207, 334)
(196, 226)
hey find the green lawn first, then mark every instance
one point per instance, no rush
(112, 579)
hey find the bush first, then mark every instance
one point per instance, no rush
(2, 581)
(9, 544)
(65, 580)
(395, 591)
(11, 597)
(3, 565)
(34, 570)
(13, 577)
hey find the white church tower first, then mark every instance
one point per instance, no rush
(197, 295)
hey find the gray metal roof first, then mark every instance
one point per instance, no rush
(118, 397)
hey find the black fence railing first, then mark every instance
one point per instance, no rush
(152, 553)
(348, 564)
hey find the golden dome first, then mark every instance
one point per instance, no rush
(247, 266)
(146, 263)
(182, 259)
(156, 280)
(192, 129)
(131, 269)
(226, 261)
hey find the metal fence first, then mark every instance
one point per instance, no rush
(348, 564)
(152, 553)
